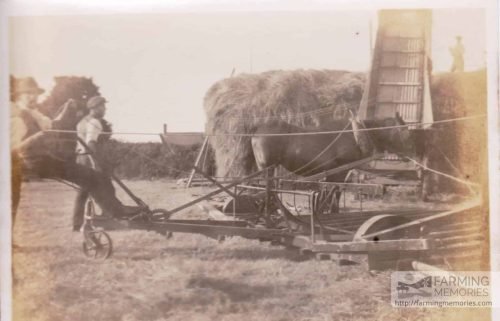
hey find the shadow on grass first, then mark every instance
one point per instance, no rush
(216, 254)
(234, 291)
(226, 296)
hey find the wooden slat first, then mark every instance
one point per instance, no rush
(399, 83)
(365, 247)
(396, 102)
(400, 67)
(404, 51)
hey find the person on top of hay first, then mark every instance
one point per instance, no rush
(37, 151)
(458, 55)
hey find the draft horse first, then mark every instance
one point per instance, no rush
(310, 153)
(50, 154)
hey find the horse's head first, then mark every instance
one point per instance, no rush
(66, 105)
(62, 144)
(397, 138)
(68, 115)
(76, 89)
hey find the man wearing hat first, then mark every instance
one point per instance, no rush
(25, 120)
(93, 130)
(457, 53)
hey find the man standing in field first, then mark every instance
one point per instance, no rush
(458, 56)
(25, 121)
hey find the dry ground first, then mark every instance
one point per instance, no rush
(188, 277)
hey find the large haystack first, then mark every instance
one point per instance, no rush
(459, 148)
(235, 105)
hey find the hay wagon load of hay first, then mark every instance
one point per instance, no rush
(317, 126)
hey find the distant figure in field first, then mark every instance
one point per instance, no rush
(458, 55)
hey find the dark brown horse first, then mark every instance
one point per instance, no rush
(307, 155)
(57, 143)
(311, 154)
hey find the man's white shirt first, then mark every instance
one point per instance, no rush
(88, 129)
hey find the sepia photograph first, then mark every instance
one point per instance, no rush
(262, 162)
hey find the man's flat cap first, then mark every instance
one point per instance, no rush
(96, 101)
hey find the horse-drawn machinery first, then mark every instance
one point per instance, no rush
(395, 109)
(318, 225)
(389, 238)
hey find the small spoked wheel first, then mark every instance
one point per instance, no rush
(97, 245)
(160, 215)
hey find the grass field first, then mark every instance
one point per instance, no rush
(187, 277)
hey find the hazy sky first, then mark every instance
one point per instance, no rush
(156, 68)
